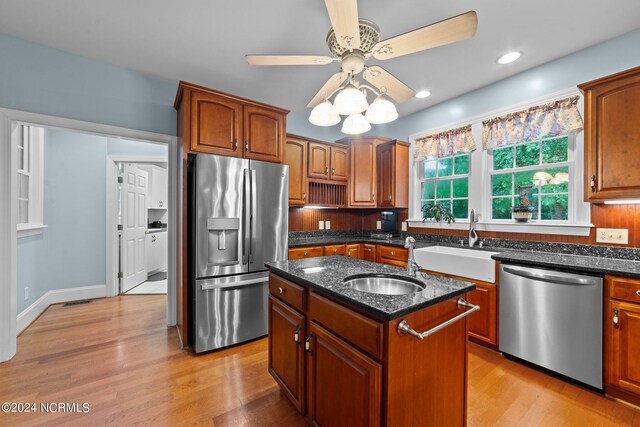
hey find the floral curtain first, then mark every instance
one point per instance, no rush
(445, 144)
(557, 118)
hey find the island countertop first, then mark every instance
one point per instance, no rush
(326, 275)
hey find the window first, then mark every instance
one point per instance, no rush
(445, 181)
(543, 164)
(30, 157)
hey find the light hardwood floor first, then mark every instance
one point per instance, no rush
(117, 355)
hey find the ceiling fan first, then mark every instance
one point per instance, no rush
(352, 41)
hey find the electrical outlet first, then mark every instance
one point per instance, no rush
(321, 225)
(618, 236)
(26, 293)
(327, 225)
(404, 226)
(378, 225)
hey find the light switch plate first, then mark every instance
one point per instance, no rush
(320, 225)
(404, 226)
(378, 225)
(327, 225)
(618, 236)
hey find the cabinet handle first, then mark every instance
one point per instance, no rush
(333, 171)
(304, 196)
(246, 146)
(393, 253)
(335, 251)
(638, 292)
(373, 197)
(281, 290)
(307, 343)
(389, 197)
(593, 183)
(235, 144)
(296, 335)
(326, 171)
(306, 253)
(615, 318)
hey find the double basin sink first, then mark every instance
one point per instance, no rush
(462, 262)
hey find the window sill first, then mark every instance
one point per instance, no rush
(30, 230)
(510, 227)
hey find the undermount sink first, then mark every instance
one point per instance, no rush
(384, 284)
(463, 262)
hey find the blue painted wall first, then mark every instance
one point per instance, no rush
(71, 250)
(43, 80)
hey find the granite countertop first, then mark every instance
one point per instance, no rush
(326, 275)
(338, 240)
(577, 263)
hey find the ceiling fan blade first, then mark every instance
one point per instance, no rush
(344, 21)
(332, 84)
(381, 78)
(441, 33)
(288, 60)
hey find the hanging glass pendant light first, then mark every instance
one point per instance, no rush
(350, 100)
(355, 124)
(381, 111)
(324, 114)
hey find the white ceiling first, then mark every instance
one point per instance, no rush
(204, 41)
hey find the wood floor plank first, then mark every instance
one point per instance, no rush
(118, 355)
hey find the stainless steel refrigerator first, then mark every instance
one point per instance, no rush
(238, 220)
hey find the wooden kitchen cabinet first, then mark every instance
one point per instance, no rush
(327, 162)
(354, 250)
(306, 252)
(295, 156)
(287, 331)
(334, 250)
(392, 168)
(264, 134)
(622, 338)
(362, 184)
(483, 328)
(392, 255)
(216, 124)
(612, 136)
(369, 252)
(339, 164)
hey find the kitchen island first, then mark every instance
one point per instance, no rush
(348, 357)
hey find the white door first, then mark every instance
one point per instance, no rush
(134, 226)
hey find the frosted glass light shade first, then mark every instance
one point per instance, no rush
(381, 111)
(350, 101)
(542, 176)
(562, 176)
(355, 124)
(324, 114)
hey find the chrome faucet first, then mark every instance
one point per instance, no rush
(473, 220)
(412, 265)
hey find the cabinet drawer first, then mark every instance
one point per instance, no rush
(334, 250)
(308, 252)
(288, 292)
(400, 254)
(624, 288)
(362, 332)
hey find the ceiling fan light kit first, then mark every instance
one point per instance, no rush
(352, 41)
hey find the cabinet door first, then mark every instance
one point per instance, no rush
(484, 325)
(215, 125)
(319, 159)
(163, 246)
(295, 156)
(344, 386)
(264, 134)
(308, 252)
(286, 355)
(353, 250)
(385, 171)
(339, 163)
(369, 252)
(612, 137)
(623, 346)
(334, 250)
(363, 174)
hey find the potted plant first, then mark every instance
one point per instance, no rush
(524, 211)
(437, 212)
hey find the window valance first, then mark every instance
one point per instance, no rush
(553, 119)
(443, 144)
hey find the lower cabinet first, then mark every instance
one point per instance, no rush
(369, 252)
(483, 328)
(307, 252)
(353, 250)
(622, 338)
(338, 373)
(392, 255)
(334, 250)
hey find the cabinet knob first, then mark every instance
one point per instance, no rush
(246, 146)
(326, 171)
(235, 144)
(389, 197)
(333, 171)
(306, 253)
(373, 197)
(393, 253)
(281, 290)
(335, 251)
(304, 196)
(638, 292)
(615, 318)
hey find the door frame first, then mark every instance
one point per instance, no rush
(112, 223)
(9, 211)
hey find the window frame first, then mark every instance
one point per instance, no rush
(33, 150)
(579, 222)
(450, 178)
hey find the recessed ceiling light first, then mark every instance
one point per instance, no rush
(508, 58)
(423, 94)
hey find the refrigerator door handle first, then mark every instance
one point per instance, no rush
(232, 284)
(246, 229)
(254, 215)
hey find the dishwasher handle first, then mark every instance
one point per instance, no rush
(552, 278)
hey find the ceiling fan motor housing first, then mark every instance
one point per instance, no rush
(353, 62)
(369, 36)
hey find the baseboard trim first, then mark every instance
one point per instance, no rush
(31, 313)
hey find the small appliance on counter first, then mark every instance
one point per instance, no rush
(385, 236)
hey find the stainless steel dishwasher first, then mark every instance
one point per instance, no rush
(553, 319)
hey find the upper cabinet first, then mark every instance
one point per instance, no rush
(158, 187)
(362, 183)
(612, 136)
(295, 156)
(339, 163)
(218, 123)
(328, 162)
(393, 174)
